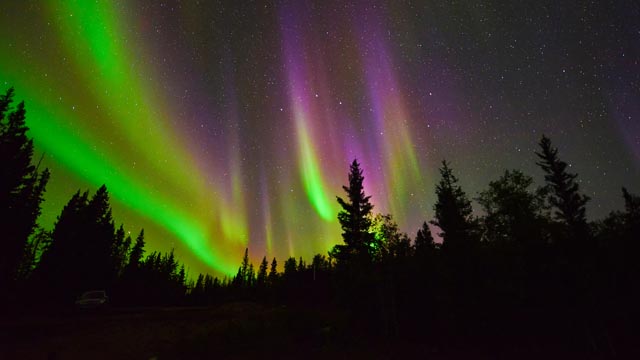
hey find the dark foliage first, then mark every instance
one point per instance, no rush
(453, 213)
(22, 187)
(355, 219)
(516, 270)
(564, 194)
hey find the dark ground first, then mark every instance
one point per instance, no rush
(249, 330)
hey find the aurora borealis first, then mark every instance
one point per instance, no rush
(218, 125)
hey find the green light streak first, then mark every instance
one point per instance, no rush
(94, 36)
(82, 158)
(310, 172)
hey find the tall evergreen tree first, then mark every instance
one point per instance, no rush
(453, 212)
(137, 253)
(262, 272)
(22, 187)
(565, 194)
(355, 216)
(100, 267)
(424, 244)
(198, 288)
(273, 272)
(81, 255)
(242, 277)
(58, 269)
(121, 248)
(290, 267)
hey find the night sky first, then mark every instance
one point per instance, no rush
(220, 125)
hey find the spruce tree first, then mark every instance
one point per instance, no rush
(453, 212)
(59, 270)
(121, 248)
(273, 272)
(355, 216)
(564, 194)
(424, 244)
(81, 255)
(198, 289)
(22, 187)
(242, 276)
(137, 253)
(100, 268)
(290, 267)
(262, 272)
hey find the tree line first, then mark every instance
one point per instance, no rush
(532, 252)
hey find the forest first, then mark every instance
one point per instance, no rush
(532, 261)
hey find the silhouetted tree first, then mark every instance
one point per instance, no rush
(290, 267)
(514, 227)
(355, 218)
(251, 276)
(121, 248)
(62, 261)
(245, 272)
(36, 246)
(513, 211)
(564, 193)
(81, 255)
(137, 253)
(320, 263)
(100, 267)
(21, 189)
(261, 279)
(273, 272)
(389, 243)
(161, 280)
(618, 234)
(424, 244)
(197, 291)
(453, 212)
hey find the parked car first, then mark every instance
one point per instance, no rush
(92, 299)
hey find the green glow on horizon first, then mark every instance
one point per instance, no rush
(82, 158)
(124, 126)
(186, 148)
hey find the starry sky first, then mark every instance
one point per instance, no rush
(218, 125)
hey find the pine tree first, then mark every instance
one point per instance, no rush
(290, 267)
(355, 217)
(453, 212)
(100, 267)
(121, 248)
(137, 253)
(262, 272)
(424, 243)
(273, 272)
(198, 288)
(241, 278)
(22, 187)
(251, 276)
(565, 194)
(59, 271)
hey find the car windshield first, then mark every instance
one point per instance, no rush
(93, 295)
